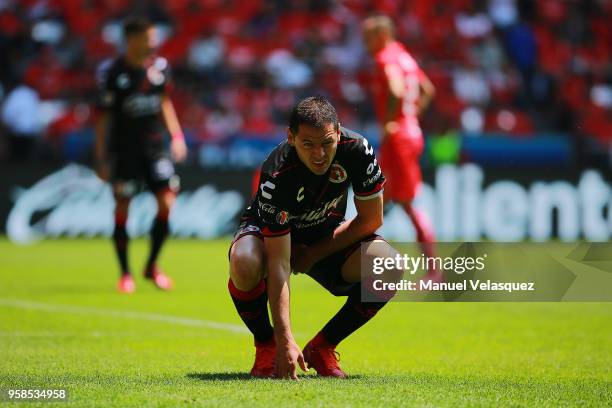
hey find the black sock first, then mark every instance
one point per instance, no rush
(120, 240)
(252, 306)
(159, 232)
(351, 316)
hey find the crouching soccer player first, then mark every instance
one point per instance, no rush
(296, 222)
(135, 105)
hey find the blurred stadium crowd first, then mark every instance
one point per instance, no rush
(516, 67)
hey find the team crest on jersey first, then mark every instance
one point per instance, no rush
(337, 174)
(123, 81)
(108, 98)
(282, 217)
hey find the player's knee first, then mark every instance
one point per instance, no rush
(165, 201)
(381, 284)
(246, 268)
(121, 206)
(163, 212)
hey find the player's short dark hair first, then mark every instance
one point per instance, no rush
(135, 25)
(314, 111)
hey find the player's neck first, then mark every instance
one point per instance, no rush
(382, 46)
(134, 60)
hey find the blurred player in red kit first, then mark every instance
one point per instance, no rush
(135, 110)
(402, 92)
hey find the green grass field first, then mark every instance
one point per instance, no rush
(63, 325)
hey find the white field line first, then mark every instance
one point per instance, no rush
(68, 334)
(125, 314)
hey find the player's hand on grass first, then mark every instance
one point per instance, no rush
(288, 357)
(178, 150)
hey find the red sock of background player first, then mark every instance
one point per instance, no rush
(159, 233)
(252, 306)
(424, 230)
(120, 241)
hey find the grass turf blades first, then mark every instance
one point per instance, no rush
(63, 325)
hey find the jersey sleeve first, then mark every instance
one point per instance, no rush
(366, 175)
(273, 206)
(169, 83)
(105, 98)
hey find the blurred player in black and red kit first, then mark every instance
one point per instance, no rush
(296, 223)
(135, 112)
(402, 92)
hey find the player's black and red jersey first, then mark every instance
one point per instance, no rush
(133, 97)
(292, 199)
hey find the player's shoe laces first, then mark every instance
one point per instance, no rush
(126, 284)
(265, 354)
(160, 279)
(323, 357)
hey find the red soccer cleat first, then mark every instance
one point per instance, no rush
(126, 284)
(265, 354)
(323, 357)
(160, 279)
